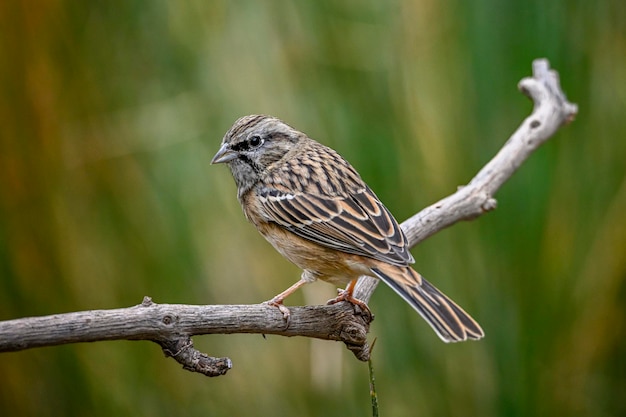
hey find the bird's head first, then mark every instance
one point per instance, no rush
(252, 145)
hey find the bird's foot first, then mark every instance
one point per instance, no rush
(278, 300)
(360, 308)
(278, 303)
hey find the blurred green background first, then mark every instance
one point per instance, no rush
(111, 111)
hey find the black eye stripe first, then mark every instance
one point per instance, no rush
(245, 145)
(241, 146)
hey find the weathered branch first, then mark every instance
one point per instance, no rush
(171, 325)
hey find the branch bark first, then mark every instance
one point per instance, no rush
(172, 325)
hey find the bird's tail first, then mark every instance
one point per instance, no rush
(447, 319)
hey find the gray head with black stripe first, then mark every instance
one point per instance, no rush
(252, 145)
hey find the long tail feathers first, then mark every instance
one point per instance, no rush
(447, 319)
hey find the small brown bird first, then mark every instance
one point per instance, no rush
(315, 209)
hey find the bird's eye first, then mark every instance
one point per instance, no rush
(255, 141)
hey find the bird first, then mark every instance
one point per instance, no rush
(314, 208)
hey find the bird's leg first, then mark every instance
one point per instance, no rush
(346, 295)
(277, 301)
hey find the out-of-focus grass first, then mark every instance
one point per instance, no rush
(111, 112)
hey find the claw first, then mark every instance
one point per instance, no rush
(346, 295)
(282, 308)
(278, 301)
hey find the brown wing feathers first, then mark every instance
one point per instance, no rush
(355, 223)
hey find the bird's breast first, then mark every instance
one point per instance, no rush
(327, 264)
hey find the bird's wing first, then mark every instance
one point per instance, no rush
(355, 222)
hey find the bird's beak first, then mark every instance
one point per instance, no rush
(225, 154)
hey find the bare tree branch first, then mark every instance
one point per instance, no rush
(551, 111)
(172, 325)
